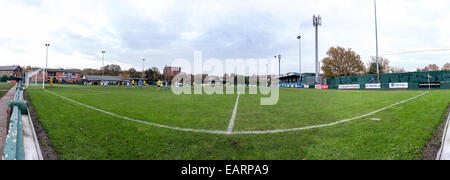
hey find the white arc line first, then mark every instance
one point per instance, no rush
(140, 121)
(330, 124)
(233, 117)
(237, 132)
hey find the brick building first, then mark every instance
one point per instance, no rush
(171, 70)
(11, 71)
(59, 76)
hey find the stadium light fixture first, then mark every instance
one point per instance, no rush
(46, 65)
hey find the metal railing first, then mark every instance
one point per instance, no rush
(14, 146)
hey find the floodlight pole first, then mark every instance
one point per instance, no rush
(279, 65)
(46, 64)
(103, 65)
(376, 40)
(143, 68)
(317, 21)
(300, 54)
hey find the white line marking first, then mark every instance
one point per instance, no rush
(233, 117)
(237, 132)
(139, 121)
(445, 143)
(330, 124)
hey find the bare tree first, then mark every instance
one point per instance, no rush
(383, 64)
(446, 67)
(397, 70)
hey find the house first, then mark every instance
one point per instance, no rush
(11, 71)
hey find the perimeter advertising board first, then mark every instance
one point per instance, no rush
(398, 85)
(373, 86)
(350, 86)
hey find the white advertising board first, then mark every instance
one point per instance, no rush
(373, 86)
(398, 85)
(350, 86)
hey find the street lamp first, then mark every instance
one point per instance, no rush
(46, 64)
(300, 54)
(103, 65)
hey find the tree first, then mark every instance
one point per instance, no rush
(383, 64)
(112, 70)
(152, 74)
(397, 70)
(434, 67)
(89, 71)
(133, 73)
(342, 62)
(431, 67)
(446, 67)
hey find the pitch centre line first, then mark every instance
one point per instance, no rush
(233, 116)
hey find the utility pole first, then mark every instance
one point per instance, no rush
(376, 39)
(300, 54)
(103, 65)
(46, 64)
(317, 21)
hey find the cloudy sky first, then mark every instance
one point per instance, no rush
(161, 31)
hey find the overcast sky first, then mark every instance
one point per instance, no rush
(161, 31)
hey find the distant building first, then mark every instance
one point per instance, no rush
(59, 75)
(171, 70)
(291, 78)
(96, 80)
(301, 79)
(11, 71)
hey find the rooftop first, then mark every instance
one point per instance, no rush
(99, 78)
(8, 68)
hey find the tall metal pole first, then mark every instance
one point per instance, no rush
(376, 39)
(300, 54)
(317, 21)
(143, 68)
(46, 65)
(103, 65)
(279, 64)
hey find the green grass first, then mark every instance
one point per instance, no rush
(77, 132)
(4, 88)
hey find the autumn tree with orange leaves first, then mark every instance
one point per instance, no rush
(342, 62)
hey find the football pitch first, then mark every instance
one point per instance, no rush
(88, 122)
